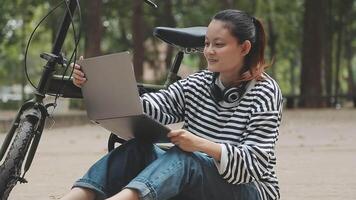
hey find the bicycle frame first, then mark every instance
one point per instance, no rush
(35, 106)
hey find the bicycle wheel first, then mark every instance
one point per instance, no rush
(10, 170)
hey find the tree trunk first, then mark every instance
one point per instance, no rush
(293, 81)
(339, 36)
(349, 54)
(272, 45)
(272, 36)
(171, 22)
(349, 50)
(93, 29)
(311, 89)
(327, 53)
(138, 39)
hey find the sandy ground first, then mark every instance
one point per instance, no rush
(316, 155)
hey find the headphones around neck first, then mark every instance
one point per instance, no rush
(229, 94)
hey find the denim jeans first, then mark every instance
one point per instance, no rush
(159, 175)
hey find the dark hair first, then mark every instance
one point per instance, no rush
(245, 27)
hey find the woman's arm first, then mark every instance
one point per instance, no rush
(211, 148)
(165, 106)
(254, 158)
(190, 143)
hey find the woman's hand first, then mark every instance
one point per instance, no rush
(190, 143)
(78, 75)
(185, 140)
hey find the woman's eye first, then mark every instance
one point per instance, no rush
(219, 44)
(207, 44)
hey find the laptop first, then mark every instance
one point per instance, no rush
(111, 98)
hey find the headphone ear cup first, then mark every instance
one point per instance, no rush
(231, 95)
(216, 93)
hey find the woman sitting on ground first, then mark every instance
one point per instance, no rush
(226, 148)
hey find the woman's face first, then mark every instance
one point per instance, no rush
(222, 51)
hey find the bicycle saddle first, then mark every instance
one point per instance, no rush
(192, 37)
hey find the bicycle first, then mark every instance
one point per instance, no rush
(21, 142)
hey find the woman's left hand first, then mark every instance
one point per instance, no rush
(185, 140)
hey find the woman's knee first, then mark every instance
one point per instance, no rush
(80, 194)
(193, 163)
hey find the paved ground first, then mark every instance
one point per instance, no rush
(316, 157)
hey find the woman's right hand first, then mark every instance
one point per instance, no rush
(78, 75)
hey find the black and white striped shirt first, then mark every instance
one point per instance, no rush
(247, 131)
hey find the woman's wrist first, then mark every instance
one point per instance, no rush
(211, 148)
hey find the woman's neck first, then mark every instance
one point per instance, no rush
(228, 79)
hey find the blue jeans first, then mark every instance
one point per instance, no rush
(160, 175)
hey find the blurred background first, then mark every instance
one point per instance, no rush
(312, 43)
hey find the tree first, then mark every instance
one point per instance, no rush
(272, 35)
(350, 31)
(169, 21)
(311, 88)
(112, 26)
(93, 33)
(328, 49)
(138, 39)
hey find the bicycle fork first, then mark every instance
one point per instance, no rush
(37, 114)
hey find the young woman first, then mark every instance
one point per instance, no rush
(226, 148)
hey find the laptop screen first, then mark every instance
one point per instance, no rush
(111, 89)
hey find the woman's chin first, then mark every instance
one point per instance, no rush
(212, 68)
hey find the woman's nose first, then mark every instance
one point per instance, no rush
(209, 49)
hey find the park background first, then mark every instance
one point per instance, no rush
(312, 45)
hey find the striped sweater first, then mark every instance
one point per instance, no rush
(247, 131)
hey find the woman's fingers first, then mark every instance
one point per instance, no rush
(79, 78)
(174, 133)
(78, 75)
(175, 136)
(174, 141)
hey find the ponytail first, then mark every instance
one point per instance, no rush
(254, 61)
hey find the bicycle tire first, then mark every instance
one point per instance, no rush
(10, 170)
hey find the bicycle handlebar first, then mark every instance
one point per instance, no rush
(72, 91)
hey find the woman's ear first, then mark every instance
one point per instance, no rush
(245, 47)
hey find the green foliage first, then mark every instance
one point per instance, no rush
(10, 105)
(19, 17)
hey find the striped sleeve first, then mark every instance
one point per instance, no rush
(250, 160)
(253, 159)
(165, 106)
